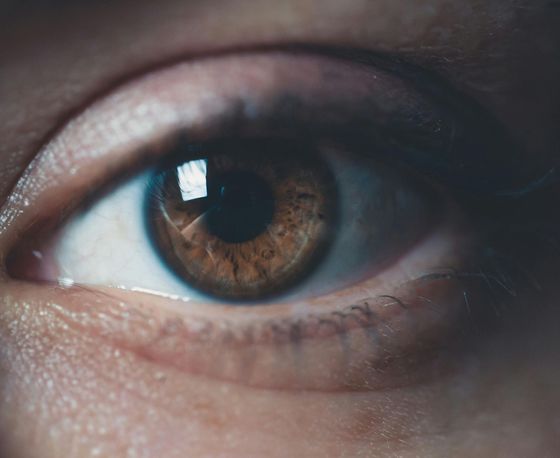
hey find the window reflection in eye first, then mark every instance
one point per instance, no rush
(312, 191)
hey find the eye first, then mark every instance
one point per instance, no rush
(272, 200)
(247, 220)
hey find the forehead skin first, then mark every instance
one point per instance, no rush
(57, 56)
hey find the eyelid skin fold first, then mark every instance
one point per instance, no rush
(372, 339)
(140, 120)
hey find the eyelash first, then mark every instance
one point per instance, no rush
(277, 114)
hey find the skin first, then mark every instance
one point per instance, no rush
(66, 389)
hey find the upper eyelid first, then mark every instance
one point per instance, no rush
(392, 63)
(421, 77)
(389, 61)
(115, 83)
(426, 78)
(366, 58)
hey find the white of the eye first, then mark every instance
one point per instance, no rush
(192, 179)
(109, 245)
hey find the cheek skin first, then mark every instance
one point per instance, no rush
(76, 390)
(70, 393)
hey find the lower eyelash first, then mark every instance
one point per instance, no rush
(361, 314)
(493, 279)
(360, 339)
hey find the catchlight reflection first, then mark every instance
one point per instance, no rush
(192, 179)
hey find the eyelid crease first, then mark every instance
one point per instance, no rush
(115, 82)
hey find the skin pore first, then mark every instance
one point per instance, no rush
(69, 387)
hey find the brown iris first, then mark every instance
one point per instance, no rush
(245, 219)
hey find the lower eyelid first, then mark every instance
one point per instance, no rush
(400, 343)
(329, 344)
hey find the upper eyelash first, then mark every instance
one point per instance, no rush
(427, 80)
(421, 78)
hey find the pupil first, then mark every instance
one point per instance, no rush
(241, 206)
